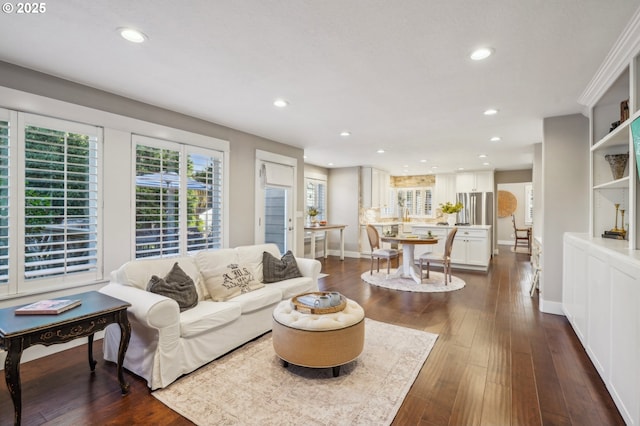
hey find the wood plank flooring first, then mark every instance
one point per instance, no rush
(497, 361)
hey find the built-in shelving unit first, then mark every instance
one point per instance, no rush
(611, 134)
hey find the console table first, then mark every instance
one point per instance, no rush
(18, 332)
(325, 228)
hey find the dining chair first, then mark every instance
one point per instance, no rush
(521, 234)
(378, 252)
(445, 257)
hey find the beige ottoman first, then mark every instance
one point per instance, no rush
(318, 341)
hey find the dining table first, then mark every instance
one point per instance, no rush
(409, 268)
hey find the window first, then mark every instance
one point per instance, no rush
(179, 197)
(417, 201)
(316, 196)
(528, 204)
(49, 212)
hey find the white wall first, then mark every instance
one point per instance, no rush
(565, 198)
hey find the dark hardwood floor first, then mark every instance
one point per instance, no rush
(497, 361)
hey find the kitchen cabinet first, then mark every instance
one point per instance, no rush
(445, 189)
(375, 188)
(475, 182)
(601, 293)
(471, 248)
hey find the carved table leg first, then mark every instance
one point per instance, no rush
(92, 361)
(12, 377)
(125, 335)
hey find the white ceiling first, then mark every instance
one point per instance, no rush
(396, 74)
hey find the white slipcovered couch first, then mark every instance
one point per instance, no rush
(166, 343)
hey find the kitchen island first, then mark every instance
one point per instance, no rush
(471, 247)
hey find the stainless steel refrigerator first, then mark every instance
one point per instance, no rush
(477, 210)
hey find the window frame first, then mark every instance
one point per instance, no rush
(184, 150)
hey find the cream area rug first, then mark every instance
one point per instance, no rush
(250, 386)
(520, 249)
(435, 282)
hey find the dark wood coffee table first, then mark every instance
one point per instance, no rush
(18, 332)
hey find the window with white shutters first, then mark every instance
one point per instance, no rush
(4, 202)
(179, 198)
(316, 196)
(60, 199)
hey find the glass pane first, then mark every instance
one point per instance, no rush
(275, 217)
(204, 202)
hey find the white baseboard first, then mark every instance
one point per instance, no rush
(549, 307)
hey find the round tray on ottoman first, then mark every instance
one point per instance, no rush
(318, 340)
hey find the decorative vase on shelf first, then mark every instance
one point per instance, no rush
(618, 164)
(451, 218)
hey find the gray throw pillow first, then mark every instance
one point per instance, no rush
(274, 269)
(176, 285)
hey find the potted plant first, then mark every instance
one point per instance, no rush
(451, 211)
(313, 211)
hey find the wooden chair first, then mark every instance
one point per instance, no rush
(445, 257)
(521, 234)
(377, 252)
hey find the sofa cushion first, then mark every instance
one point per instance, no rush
(206, 316)
(224, 283)
(258, 299)
(137, 273)
(275, 269)
(253, 256)
(294, 286)
(176, 285)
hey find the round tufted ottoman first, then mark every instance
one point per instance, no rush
(318, 341)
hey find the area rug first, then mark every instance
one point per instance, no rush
(435, 282)
(250, 386)
(519, 249)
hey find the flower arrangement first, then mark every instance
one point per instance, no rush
(313, 211)
(449, 208)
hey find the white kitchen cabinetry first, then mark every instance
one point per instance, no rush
(601, 294)
(471, 248)
(375, 188)
(474, 182)
(445, 189)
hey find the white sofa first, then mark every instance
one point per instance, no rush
(166, 343)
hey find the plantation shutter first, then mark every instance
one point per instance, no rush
(4, 202)
(179, 198)
(60, 198)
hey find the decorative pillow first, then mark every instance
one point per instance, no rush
(230, 281)
(274, 269)
(176, 285)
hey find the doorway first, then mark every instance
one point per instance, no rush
(275, 200)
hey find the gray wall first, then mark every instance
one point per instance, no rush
(343, 205)
(242, 145)
(565, 204)
(538, 191)
(513, 176)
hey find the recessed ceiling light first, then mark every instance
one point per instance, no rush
(304, 156)
(280, 103)
(331, 164)
(434, 167)
(495, 139)
(345, 133)
(380, 151)
(482, 53)
(486, 164)
(461, 168)
(423, 161)
(491, 111)
(482, 156)
(134, 36)
(405, 166)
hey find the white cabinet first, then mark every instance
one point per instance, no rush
(471, 248)
(375, 188)
(601, 294)
(445, 189)
(474, 182)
